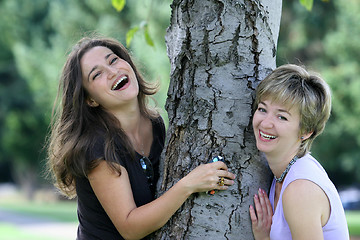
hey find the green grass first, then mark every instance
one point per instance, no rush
(63, 211)
(10, 232)
(353, 220)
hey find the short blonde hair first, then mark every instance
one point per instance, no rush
(293, 86)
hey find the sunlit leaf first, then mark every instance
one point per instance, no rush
(308, 4)
(130, 35)
(148, 38)
(118, 4)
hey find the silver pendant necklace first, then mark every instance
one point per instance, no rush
(281, 178)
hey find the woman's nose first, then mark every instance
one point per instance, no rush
(267, 121)
(111, 72)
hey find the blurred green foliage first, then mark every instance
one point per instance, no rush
(326, 41)
(307, 4)
(36, 36)
(118, 4)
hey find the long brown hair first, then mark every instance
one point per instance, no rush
(75, 125)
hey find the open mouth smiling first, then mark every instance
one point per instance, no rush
(120, 83)
(267, 136)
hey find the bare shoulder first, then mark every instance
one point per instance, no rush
(102, 168)
(103, 174)
(305, 201)
(303, 191)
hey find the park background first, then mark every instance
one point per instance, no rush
(36, 35)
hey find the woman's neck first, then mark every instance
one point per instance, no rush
(137, 127)
(139, 131)
(129, 116)
(279, 163)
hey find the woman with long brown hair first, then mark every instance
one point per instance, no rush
(105, 146)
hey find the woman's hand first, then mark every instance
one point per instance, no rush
(261, 221)
(207, 177)
(115, 195)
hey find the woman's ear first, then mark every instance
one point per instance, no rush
(91, 102)
(306, 136)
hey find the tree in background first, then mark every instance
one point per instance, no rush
(326, 39)
(22, 121)
(341, 67)
(219, 51)
(36, 35)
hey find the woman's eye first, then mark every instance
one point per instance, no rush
(113, 60)
(282, 118)
(96, 75)
(260, 109)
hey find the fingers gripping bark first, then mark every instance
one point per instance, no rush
(207, 176)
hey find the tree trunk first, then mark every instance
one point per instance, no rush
(26, 177)
(219, 51)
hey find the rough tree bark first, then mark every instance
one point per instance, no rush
(219, 51)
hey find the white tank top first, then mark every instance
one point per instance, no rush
(308, 168)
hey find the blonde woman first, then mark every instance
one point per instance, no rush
(292, 107)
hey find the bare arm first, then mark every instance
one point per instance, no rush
(115, 194)
(306, 209)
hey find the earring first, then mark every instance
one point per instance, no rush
(92, 103)
(302, 138)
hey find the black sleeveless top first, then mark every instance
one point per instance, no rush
(94, 223)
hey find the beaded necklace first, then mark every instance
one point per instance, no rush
(281, 178)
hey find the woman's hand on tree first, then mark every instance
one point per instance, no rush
(209, 176)
(261, 221)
